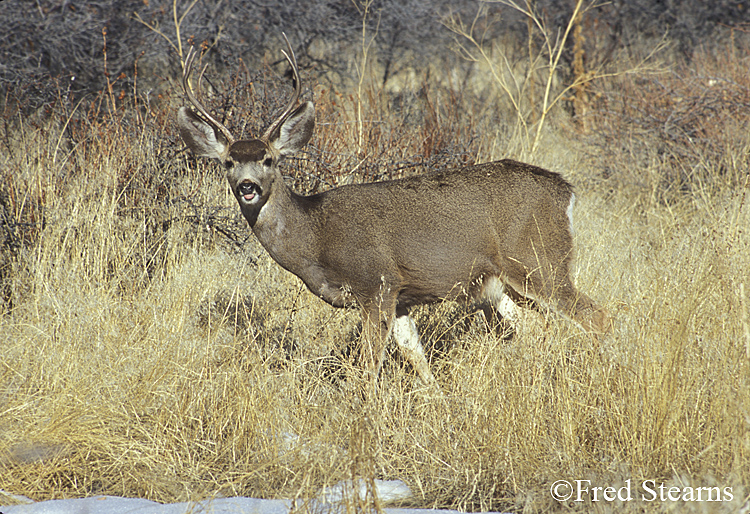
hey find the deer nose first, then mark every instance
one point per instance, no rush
(248, 190)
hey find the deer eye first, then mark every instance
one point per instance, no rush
(229, 164)
(268, 162)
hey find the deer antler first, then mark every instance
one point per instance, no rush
(293, 102)
(194, 100)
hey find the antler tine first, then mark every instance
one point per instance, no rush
(292, 59)
(189, 61)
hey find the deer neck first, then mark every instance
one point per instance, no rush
(283, 227)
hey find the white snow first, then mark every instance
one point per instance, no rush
(328, 500)
(114, 504)
(387, 491)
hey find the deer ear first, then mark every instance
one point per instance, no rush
(203, 139)
(296, 130)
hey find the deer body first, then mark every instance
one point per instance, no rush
(428, 238)
(483, 232)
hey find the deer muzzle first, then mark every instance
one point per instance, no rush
(248, 190)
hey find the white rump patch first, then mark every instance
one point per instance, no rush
(569, 211)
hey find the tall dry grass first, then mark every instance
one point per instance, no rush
(149, 347)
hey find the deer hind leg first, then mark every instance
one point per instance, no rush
(406, 336)
(499, 305)
(582, 309)
(558, 291)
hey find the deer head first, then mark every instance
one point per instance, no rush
(251, 164)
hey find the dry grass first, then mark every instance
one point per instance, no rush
(149, 347)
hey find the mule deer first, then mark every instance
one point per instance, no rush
(483, 232)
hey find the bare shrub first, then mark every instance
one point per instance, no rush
(679, 130)
(66, 40)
